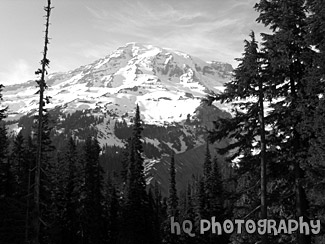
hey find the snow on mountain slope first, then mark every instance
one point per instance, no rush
(167, 85)
(100, 99)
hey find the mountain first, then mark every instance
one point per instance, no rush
(100, 99)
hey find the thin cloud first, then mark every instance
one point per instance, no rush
(208, 29)
(211, 29)
(20, 72)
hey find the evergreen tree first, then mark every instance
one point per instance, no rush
(287, 55)
(113, 212)
(217, 199)
(30, 161)
(202, 211)
(20, 166)
(7, 203)
(67, 194)
(172, 205)
(137, 225)
(48, 181)
(72, 188)
(93, 222)
(172, 210)
(159, 213)
(247, 127)
(153, 218)
(313, 123)
(216, 190)
(189, 213)
(12, 205)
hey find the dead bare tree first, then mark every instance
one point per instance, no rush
(36, 218)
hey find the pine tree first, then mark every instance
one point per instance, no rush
(287, 56)
(93, 221)
(6, 184)
(313, 123)
(30, 161)
(202, 211)
(173, 210)
(159, 212)
(189, 213)
(136, 223)
(247, 127)
(67, 193)
(12, 206)
(153, 218)
(20, 165)
(216, 189)
(112, 211)
(48, 181)
(172, 197)
(217, 206)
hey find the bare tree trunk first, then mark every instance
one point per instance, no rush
(263, 160)
(301, 208)
(41, 83)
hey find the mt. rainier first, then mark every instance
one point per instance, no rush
(100, 98)
(166, 84)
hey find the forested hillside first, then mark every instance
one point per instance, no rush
(93, 171)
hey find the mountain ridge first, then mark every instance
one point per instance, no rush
(134, 69)
(99, 99)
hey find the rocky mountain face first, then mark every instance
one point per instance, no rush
(100, 98)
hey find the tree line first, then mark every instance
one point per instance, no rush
(79, 203)
(276, 151)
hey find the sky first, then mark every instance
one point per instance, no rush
(83, 31)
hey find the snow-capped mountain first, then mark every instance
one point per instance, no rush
(168, 86)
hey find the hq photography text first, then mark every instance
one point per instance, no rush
(262, 226)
